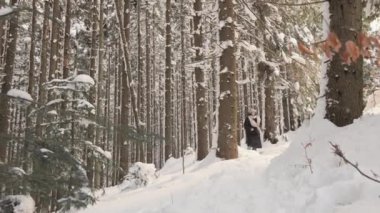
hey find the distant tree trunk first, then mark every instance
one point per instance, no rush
(140, 91)
(3, 25)
(344, 95)
(91, 128)
(268, 79)
(7, 82)
(54, 51)
(100, 92)
(148, 82)
(116, 113)
(168, 85)
(123, 144)
(227, 139)
(184, 122)
(124, 47)
(270, 106)
(66, 45)
(31, 84)
(43, 74)
(201, 99)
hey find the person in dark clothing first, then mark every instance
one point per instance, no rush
(252, 130)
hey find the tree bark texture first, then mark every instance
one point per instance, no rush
(227, 138)
(201, 99)
(344, 95)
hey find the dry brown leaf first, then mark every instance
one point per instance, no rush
(334, 42)
(363, 41)
(326, 49)
(353, 50)
(304, 49)
(345, 57)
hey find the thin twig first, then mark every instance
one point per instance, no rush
(308, 159)
(337, 151)
(292, 4)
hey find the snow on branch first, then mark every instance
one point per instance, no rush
(19, 94)
(338, 152)
(5, 11)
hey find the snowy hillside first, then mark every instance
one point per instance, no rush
(275, 179)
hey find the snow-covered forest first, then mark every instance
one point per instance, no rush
(189, 106)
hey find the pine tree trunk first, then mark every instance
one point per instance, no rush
(3, 25)
(100, 94)
(28, 133)
(148, 82)
(43, 74)
(7, 82)
(227, 139)
(140, 91)
(53, 69)
(91, 128)
(123, 144)
(168, 85)
(66, 45)
(344, 95)
(202, 118)
(124, 47)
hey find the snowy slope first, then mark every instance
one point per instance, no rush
(277, 179)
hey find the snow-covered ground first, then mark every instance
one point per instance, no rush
(277, 179)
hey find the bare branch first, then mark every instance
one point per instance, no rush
(337, 151)
(292, 4)
(308, 159)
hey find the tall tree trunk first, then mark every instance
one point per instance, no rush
(148, 82)
(43, 74)
(100, 94)
(91, 128)
(268, 77)
(140, 91)
(344, 95)
(123, 144)
(66, 45)
(201, 99)
(168, 85)
(127, 72)
(116, 111)
(53, 69)
(7, 82)
(227, 138)
(28, 133)
(3, 25)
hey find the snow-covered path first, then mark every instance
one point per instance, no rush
(207, 186)
(277, 179)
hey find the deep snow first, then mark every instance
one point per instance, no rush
(277, 179)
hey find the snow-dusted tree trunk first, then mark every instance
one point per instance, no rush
(42, 95)
(227, 138)
(201, 92)
(54, 42)
(344, 95)
(168, 84)
(184, 126)
(7, 81)
(31, 84)
(148, 82)
(140, 86)
(91, 128)
(66, 44)
(125, 96)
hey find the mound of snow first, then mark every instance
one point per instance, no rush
(327, 184)
(140, 174)
(17, 204)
